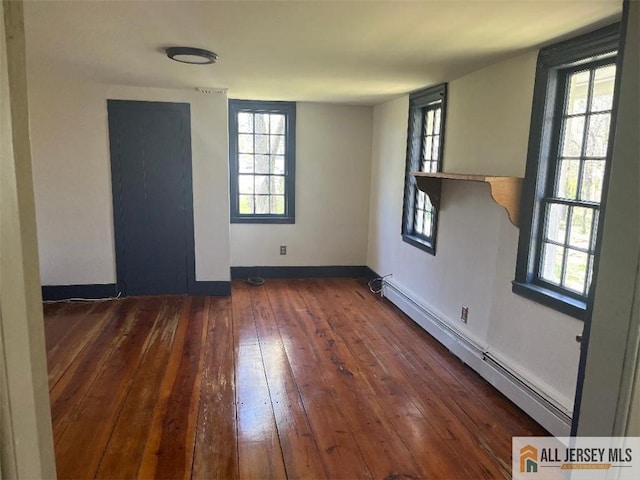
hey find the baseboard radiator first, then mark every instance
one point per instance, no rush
(536, 403)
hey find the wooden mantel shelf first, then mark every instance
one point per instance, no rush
(505, 191)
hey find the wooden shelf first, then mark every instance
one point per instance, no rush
(505, 191)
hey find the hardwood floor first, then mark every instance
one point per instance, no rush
(293, 379)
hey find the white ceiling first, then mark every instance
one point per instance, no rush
(359, 52)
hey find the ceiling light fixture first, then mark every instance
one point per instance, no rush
(195, 56)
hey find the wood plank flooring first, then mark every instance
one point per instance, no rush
(293, 379)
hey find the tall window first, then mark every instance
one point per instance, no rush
(425, 141)
(262, 161)
(566, 170)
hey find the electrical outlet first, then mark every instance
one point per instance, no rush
(464, 314)
(283, 249)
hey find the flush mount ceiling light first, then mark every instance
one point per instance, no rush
(195, 56)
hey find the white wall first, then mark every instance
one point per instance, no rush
(486, 132)
(333, 154)
(489, 113)
(72, 178)
(73, 183)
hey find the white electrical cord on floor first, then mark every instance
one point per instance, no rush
(69, 300)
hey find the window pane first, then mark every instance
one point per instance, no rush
(428, 148)
(598, 135)
(428, 224)
(576, 272)
(572, 137)
(245, 122)
(277, 185)
(245, 143)
(262, 143)
(262, 184)
(245, 204)
(277, 124)
(551, 264)
(556, 222)
(428, 130)
(567, 179)
(420, 202)
(580, 233)
(277, 144)
(592, 177)
(436, 147)
(262, 123)
(277, 164)
(262, 163)
(604, 82)
(262, 204)
(430, 166)
(436, 126)
(578, 86)
(245, 183)
(277, 204)
(245, 163)
(419, 223)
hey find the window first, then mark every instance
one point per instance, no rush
(571, 125)
(425, 141)
(262, 161)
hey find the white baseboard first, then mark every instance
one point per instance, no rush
(528, 397)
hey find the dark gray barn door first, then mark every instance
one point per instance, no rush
(152, 196)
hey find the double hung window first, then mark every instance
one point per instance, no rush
(425, 144)
(566, 170)
(262, 161)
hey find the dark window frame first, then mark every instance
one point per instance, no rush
(419, 103)
(257, 106)
(555, 63)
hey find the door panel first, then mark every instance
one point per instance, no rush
(152, 194)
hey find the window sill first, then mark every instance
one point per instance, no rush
(562, 303)
(420, 243)
(266, 220)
